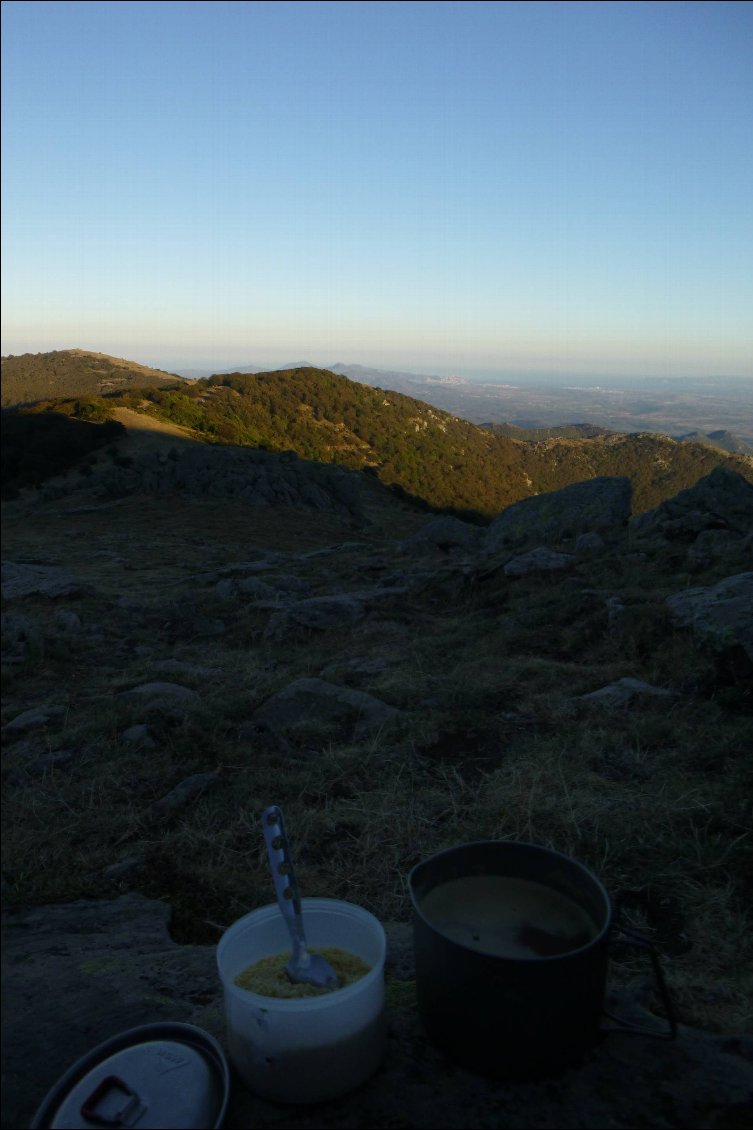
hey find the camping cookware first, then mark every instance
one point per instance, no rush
(158, 1075)
(308, 1049)
(511, 946)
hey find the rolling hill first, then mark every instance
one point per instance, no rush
(30, 377)
(436, 458)
(440, 459)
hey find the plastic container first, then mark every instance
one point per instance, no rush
(315, 1048)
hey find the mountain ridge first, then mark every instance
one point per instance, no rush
(440, 459)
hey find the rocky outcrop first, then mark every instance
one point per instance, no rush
(36, 718)
(315, 700)
(160, 691)
(19, 580)
(720, 615)
(445, 533)
(596, 505)
(622, 692)
(327, 613)
(257, 477)
(540, 560)
(722, 500)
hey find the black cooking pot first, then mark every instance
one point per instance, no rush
(529, 1006)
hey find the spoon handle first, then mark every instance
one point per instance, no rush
(286, 886)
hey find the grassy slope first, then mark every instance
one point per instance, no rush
(31, 377)
(492, 742)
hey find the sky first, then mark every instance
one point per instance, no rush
(444, 187)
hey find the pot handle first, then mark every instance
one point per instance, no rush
(630, 937)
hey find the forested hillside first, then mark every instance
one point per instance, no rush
(445, 462)
(432, 455)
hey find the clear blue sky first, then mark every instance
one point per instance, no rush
(439, 186)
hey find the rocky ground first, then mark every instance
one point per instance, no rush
(177, 658)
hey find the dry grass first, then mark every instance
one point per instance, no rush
(492, 741)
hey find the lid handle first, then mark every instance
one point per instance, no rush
(105, 1107)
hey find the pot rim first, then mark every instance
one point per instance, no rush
(596, 940)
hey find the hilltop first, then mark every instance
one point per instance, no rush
(31, 377)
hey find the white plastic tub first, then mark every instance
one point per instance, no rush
(315, 1048)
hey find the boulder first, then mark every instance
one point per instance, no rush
(599, 504)
(622, 692)
(320, 613)
(315, 700)
(540, 560)
(712, 546)
(588, 543)
(162, 691)
(445, 533)
(722, 500)
(186, 790)
(720, 615)
(326, 613)
(19, 580)
(34, 719)
(140, 735)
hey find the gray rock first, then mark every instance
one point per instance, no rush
(256, 589)
(314, 700)
(41, 766)
(34, 719)
(598, 504)
(19, 580)
(329, 550)
(128, 604)
(615, 610)
(22, 638)
(49, 762)
(181, 667)
(123, 869)
(288, 582)
(79, 973)
(445, 533)
(140, 735)
(188, 790)
(588, 543)
(226, 589)
(260, 738)
(540, 560)
(159, 690)
(68, 622)
(721, 615)
(712, 546)
(622, 692)
(321, 613)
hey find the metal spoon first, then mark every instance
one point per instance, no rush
(307, 968)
